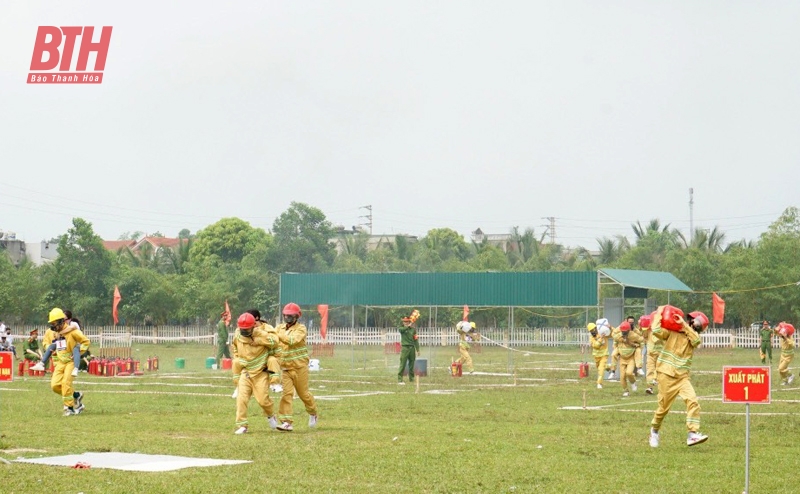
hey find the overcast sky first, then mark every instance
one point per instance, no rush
(437, 114)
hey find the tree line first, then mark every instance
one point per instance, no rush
(234, 261)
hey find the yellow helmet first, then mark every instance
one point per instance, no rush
(472, 325)
(591, 327)
(55, 315)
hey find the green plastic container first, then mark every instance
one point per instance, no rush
(210, 361)
(180, 363)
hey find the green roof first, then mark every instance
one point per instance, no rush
(651, 280)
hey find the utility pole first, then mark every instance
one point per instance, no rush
(551, 228)
(368, 216)
(691, 215)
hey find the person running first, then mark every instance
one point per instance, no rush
(654, 346)
(766, 343)
(252, 345)
(599, 345)
(294, 368)
(673, 367)
(273, 365)
(786, 333)
(467, 334)
(409, 344)
(627, 341)
(637, 355)
(68, 337)
(72, 323)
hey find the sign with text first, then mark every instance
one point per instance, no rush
(745, 384)
(6, 366)
(53, 51)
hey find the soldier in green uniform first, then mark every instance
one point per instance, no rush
(222, 341)
(766, 343)
(409, 349)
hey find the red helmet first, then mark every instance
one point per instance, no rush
(246, 321)
(699, 316)
(625, 327)
(786, 329)
(645, 321)
(292, 309)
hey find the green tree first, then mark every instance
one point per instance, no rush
(227, 240)
(80, 279)
(302, 241)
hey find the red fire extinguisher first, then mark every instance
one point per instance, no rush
(455, 369)
(155, 363)
(584, 369)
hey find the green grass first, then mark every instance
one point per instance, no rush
(478, 433)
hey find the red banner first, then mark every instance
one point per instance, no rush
(718, 306)
(6, 366)
(117, 298)
(323, 322)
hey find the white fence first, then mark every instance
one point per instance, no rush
(125, 336)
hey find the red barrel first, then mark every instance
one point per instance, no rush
(584, 370)
(227, 363)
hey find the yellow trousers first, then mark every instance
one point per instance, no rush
(61, 381)
(627, 372)
(669, 388)
(465, 359)
(614, 359)
(638, 357)
(295, 379)
(601, 363)
(274, 368)
(652, 360)
(783, 366)
(248, 386)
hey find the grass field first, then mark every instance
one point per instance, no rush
(501, 430)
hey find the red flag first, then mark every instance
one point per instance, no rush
(718, 306)
(466, 313)
(323, 323)
(227, 314)
(117, 298)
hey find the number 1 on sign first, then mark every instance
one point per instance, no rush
(746, 397)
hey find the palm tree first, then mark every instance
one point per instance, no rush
(703, 239)
(523, 246)
(653, 227)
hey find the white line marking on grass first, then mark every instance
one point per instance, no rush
(765, 414)
(12, 389)
(332, 398)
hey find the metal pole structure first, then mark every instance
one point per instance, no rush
(747, 448)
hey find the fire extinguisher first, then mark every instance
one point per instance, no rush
(455, 369)
(584, 369)
(155, 363)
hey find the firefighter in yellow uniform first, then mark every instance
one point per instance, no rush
(654, 346)
(672, 373)
(66, 338)
(627, 340)
(599, 345)
(251, 346)
(637, 355)
(466, 334)
(786, 333)
(294, 368)
(273, 365)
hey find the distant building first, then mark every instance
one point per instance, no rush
(374, 242)
(154, 243)
(41, 252)
(502, 240)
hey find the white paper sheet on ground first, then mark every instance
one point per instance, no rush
(131, 461)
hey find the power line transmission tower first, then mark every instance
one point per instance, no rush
(368, 216)
(551, 228)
